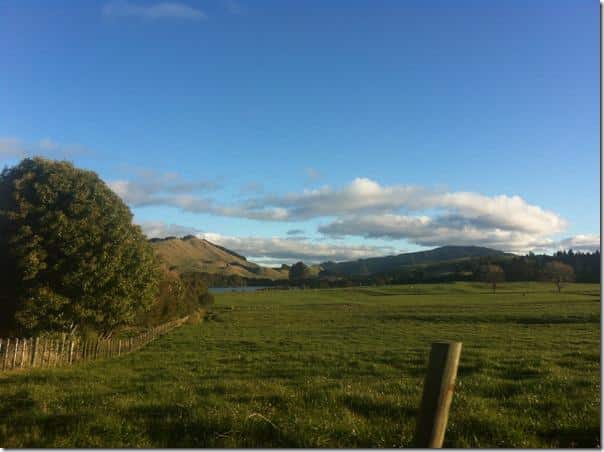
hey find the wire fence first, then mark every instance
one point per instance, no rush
(38, 352)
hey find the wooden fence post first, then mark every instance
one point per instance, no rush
(34, 352)
(6, 350)
(51, 347)
(23, 347)
(71, 344)
(438, 393)
(14, 363)
(43, 354)
(62, 352)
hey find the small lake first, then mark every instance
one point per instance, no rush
(236, 289)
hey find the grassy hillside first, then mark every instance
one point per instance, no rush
(191, 254)
(333, 368)
(440, 255)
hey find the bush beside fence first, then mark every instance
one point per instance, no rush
(38, 352)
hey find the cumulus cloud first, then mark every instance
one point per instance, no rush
(429, 232)
(155, 11)
(366, 196)
(288, 250)
(367, 209)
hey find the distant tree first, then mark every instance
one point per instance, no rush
(493, 274)
(70, 256)
(299, 271)
(559, 273)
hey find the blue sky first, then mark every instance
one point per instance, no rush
(359, 127)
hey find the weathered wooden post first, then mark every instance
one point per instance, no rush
(71, 345)
(23, 347)
(51, 347)
(43, 353)
(62, 352)
(438, 393)
(14, 364)
(5, 359)
(34, 352)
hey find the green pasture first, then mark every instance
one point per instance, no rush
(333, 368)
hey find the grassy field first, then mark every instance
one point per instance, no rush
(333, 368)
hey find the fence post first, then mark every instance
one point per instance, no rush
(14, 364)
(438, 393)
(51, 347)
(44, 347)
(7, 349)
(70, 358)
(62, 352)
(34, 352)
(23, 347)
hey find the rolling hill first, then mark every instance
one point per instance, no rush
(190, 254)
(384, 264)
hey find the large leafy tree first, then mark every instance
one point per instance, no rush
(299, 271)
(70, 256)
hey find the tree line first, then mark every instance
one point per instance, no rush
(563, 266)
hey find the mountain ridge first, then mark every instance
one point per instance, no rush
(192, 254)
(401, 261)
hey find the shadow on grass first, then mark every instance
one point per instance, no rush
(178, 426)
(19, 404)
(25, 423)
(573, 437)
(370, 408)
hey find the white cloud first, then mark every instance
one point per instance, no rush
(162, 10)
(159, 229)
(581, 242)
(440, 231)
(363, 196)
(289, 250)
(367, 209)
(151, 188)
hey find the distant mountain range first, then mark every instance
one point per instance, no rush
(374, 265)
(191, 254)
